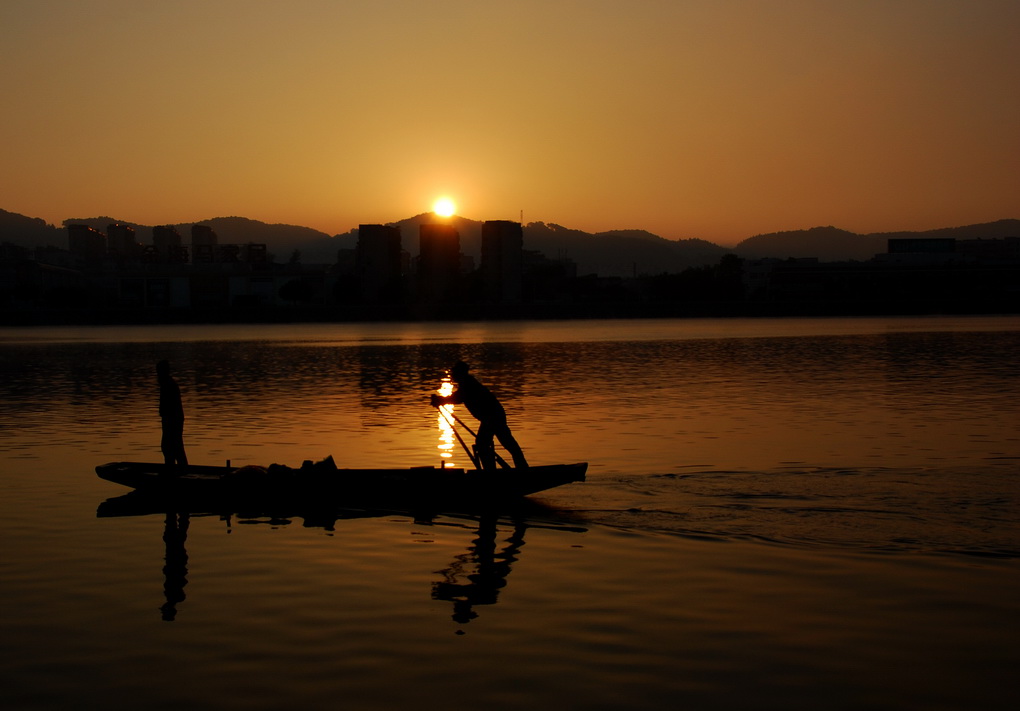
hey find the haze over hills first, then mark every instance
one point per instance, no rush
(611, 253)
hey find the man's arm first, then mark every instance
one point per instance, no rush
(454, 399)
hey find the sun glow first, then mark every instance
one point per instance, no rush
(447, 445)
(444, 207)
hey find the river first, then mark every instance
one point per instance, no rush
(778, 513)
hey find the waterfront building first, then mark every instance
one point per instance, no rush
(438, 262)
(167, 241)
(203, 245)
(378, 263)
(120, 241)
(502, 261)
(88, 245)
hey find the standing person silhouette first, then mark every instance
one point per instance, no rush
(491, 416)
(171, 412)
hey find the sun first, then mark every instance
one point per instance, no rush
(444, 207)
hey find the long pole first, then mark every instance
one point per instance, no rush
(502, 462)
(460, 439)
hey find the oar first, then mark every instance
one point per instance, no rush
(502, 462)
(457, 434)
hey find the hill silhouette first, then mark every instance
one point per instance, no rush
(620, 253)
(614, 253)
(834, 244)
(825, 243)
(282, 239)
(29, 231)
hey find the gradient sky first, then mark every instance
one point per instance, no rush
(717, 119)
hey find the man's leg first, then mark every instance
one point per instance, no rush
(484, 448)
(173, 446)
(506, 439)
(166, 447)
(182, 457)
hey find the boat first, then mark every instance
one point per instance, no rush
(316, 481)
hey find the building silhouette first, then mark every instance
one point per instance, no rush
(502, 261)
(169, 248)
(378, 263)
(438, 276)
(86, 244)
(120, 241)
(203, 245)
(98, 277)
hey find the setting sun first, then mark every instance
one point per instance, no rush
(444, 207)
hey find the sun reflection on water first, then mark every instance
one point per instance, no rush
(447, 439)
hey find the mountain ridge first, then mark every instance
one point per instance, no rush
(610, 253)
(835, 244)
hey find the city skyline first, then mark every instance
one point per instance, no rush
(716, 121)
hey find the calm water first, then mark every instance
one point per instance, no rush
(779, 514)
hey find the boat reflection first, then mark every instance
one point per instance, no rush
(475, 577)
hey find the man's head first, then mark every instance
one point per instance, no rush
(163, 368)
(459, 370)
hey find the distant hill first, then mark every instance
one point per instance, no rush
(612, 253)
(833, 244)
(29, 231)
(999, 229)
(281, 240)
(620, 252)
(615, 253)
(629, 252)
(143, 233)
(825, 243)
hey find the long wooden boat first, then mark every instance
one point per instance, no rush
(314, 481)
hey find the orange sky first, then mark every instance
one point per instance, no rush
(717, 119)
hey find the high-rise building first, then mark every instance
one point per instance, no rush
(378, 262)
(165, 236)
(203, 234)
(167, 241)
(203, 244)
(502, 262)
(120, 240)
(438, 262)
(86, 244)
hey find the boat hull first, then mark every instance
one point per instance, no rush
(325, 482)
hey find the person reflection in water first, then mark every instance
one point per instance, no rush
(491, 416)
(175, 571)
(477, 577)
(171, 412)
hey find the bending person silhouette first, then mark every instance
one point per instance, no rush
(171, 412)
(491, 416)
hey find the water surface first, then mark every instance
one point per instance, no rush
(787, 513)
